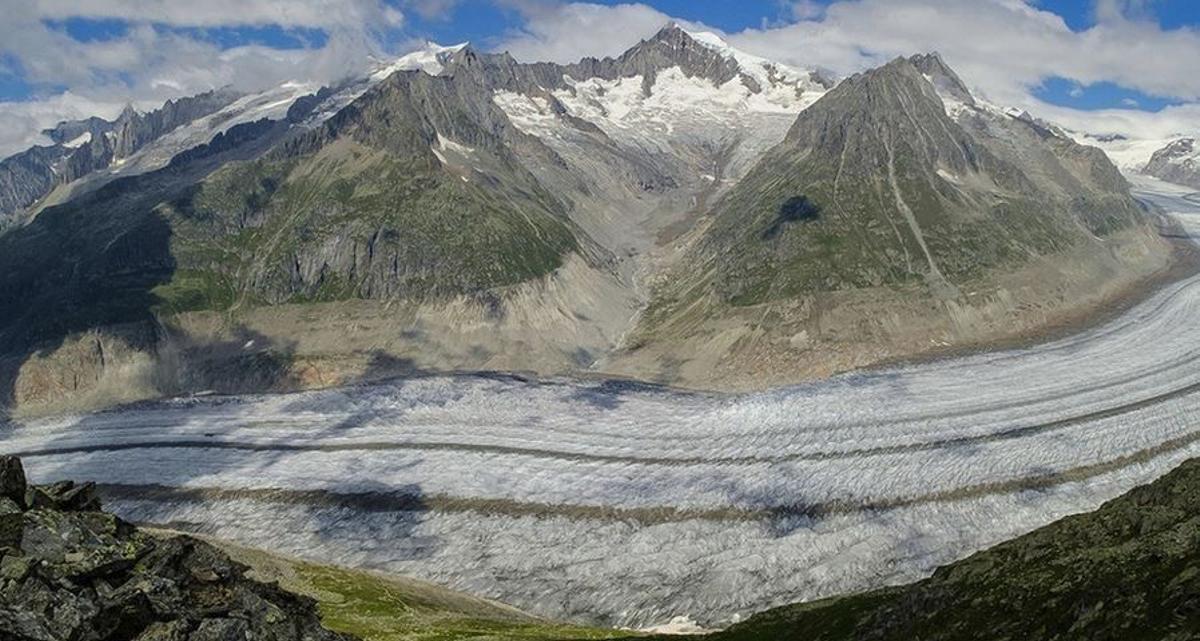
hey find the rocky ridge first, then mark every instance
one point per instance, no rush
(85, 146)
(897, 186)
(70, 572)
(1178, 162)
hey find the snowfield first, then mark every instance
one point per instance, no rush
(631, 505)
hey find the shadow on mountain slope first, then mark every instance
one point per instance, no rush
(79, 267)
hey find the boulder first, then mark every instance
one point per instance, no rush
(12, 479)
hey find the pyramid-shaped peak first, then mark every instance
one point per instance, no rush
(671, 29)
(673, 33)
(934, 67)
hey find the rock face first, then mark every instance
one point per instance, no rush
(71, 572)
(1130, 570)
(26, 177)
(1178, 162)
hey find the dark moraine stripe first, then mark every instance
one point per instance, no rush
(410, 502)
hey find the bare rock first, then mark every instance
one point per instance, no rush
(71, 572)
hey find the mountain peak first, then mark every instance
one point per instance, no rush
(707, 54)
(430, 58)
(670, 29)
(948, 84)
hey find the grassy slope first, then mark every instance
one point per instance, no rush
(382, 608)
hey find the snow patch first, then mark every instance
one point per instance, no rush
(429, 59)
(765, 72)
(445, 144)
(79, 141)
(679, 625)
(674, 97)
(531, 114)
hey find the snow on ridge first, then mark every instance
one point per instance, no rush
(271, 104)
(675, 100)
(758, 68)
(428, 59)
(79, 141)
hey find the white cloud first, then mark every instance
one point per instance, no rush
(806, 9)
(213, 13)
(1003, 48)
(564, 33)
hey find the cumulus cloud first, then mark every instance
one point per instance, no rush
(211, 13)
(806, 9)
(1003, 46)
(566, 32)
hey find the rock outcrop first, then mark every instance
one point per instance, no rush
(84, 146)
(70, 572)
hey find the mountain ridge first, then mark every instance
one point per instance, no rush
(1177, 162)
(623, 216)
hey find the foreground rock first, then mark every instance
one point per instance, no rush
(1130, 570)
(71, 572)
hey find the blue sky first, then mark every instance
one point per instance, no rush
(487, 22)
(69, 58)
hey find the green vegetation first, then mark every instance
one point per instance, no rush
(893, 193)
(377, 609)
(350, 221)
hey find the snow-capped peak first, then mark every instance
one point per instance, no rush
(430, 59)
(764, 72)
